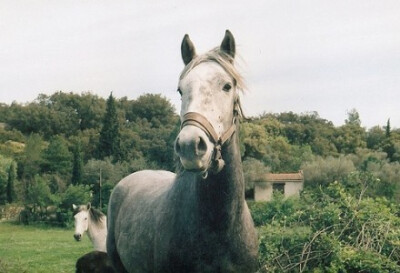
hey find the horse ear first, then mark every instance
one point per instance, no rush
(74, 207)
(88, 205)
(228, 44)
(187, 50)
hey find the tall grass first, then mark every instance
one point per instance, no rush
(39, 249)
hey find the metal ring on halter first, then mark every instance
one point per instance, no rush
(200, 121)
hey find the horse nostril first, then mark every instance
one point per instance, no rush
(177, 146)
(201, 148)
(189, 146)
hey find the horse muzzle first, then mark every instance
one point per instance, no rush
(194, 149)
(78, 236)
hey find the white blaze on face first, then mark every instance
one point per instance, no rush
(81, 223)
(208, 90)
(203, 92)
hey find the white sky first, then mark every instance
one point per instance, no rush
(300, 56)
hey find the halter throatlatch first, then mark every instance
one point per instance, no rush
(198, 120)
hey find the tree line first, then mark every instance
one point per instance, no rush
(57, 149)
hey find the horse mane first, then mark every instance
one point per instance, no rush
(220, 57)
(96, 215)
(79, 209)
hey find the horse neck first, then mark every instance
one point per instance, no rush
(97, 233)
(222, 194)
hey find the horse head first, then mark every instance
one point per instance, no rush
(81, 219)
(209, 87)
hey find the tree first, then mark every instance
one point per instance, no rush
(75, 194)
(304, 129)
(108, 173)
(349, 137)
(57, 158)
(154, 108)
(110, 138)
(155, 143)
(389, 148)
(322, 171)
(29, 163)
(4, 178)
(12, 175)
(3, 111)
(150, 130)
(254, 140)
(353, 118)
(87, 108)
(77, 165)
(375, 138)
(39, 194)
(254, 171)
(387, 129)
(391, 143)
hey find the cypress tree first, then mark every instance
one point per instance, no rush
(388, 146)
(110, 138)
(388, 129)
(12, 173)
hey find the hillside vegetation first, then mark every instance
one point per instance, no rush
(73, 148)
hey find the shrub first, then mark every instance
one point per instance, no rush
(279, 209)
(328, 230)
(322, 171)
(79, 194)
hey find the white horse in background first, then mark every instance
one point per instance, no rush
(94, 222)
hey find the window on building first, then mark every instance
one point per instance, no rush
(278, 187)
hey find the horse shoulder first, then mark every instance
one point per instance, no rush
(146, 184)
(133, 203)
(145, 178)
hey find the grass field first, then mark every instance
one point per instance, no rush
(36, 249)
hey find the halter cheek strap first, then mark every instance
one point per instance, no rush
(198, 120)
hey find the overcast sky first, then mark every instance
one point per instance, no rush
(300, 56)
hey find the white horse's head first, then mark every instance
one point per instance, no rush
(208, 87)
(81, 220)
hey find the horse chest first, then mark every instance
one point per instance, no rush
(201, 262)
(203, 252)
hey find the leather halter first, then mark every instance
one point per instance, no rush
(200, 121)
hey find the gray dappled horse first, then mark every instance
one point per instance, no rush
(196, 220)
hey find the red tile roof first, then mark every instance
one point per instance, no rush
(284, 177)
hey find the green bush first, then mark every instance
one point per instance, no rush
(281, 247)
(360, 260)
(79, 194)
(279, 209)
(328, 230)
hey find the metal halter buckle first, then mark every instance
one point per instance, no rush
(198, 120)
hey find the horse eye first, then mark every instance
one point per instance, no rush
(179, 90)
(227, 87)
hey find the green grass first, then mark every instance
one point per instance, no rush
(31, 249)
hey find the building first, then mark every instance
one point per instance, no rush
(290, 184)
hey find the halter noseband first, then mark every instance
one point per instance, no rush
(200, 121)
